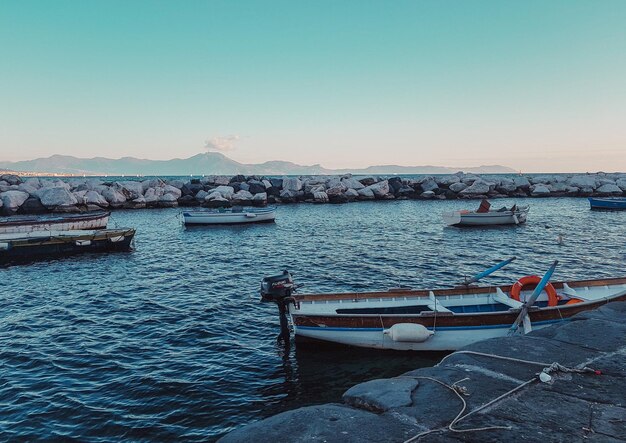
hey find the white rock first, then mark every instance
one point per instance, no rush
(539, 190)
(215, 196)
(292, 184)
(26, 187)
(470, 178)
(169, 189)
(609, 189)
(32, 182)
(379, 189)
(226, 191)
(201, 195)
(260, 197)
(132, 189)
(288, 193)
(543, 179)
(583, 181)
(338, 189)
(12, 200)
(243, 195)
(366, 193)
(114, 197)
(478, 187)
(447, 180)
(178, 184)
(352, 183)
(521, 182)
(151, 183)
(222, 180)
(94, 198)
(352, 193)
(506, 185)
(621, 183)
(57, 196)
(267, 184)
(152, 195)
(427, 194)
(321, 197)
(457, 187)
(168, 198)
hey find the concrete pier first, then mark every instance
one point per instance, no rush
(570, 407)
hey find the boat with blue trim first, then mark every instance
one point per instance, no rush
(230, 216)
(608, 204)
(434, 320)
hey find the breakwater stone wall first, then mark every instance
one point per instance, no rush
(32, 195)
(572, 407)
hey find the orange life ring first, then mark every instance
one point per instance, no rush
(553, 299)
(573, 301)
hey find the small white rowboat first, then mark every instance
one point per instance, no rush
(230, 216)
(491, 218)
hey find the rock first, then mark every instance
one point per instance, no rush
(478, 187)
(221, 180)
(152, 195)
(237, 179)
(609, 189)
(368, 181)
(25, 187)
(267, 184)
(11, 179)
(256, 187)
(458, 187)
(447, 180)
(177, 183)
(226, 191)
(116, 199)
(352, 183)
(151, 183)
(429, 184)
(288, 196)
(32, 205)
(292, 184)
(53, 198)
(395, 183)
(621, 183)
(276, 182)
(506, 186)
(169, 189)
(12, 200)
(244, 187)
(129, 189)
(351, 194)
(427, 194)
(583, 181)
(260, 197)
(539, 190)
(604, 181)
(242, 198)
(168, 200)
(338, 198)
(214, 195)
(338, 189)
(543, 180)
(469, 179)
(94, 198)
(320, 197)
(366, 194)
(137, 203)
(32, 182)
(382, 394)
(406, 191)
(379, 189)
(201, 195)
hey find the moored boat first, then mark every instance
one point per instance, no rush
(42, 244)
(230, 216)
(54, 222)
(485, 216)
(438, 319)
(609, 204)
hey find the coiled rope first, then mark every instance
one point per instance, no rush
(461, 391)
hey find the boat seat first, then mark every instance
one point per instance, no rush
(571, 292)
(435, 305)
(501, 297)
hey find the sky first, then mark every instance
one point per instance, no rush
(539, 86)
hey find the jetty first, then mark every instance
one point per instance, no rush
(31, 195)
(562, 383)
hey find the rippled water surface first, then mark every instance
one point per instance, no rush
(170, 342)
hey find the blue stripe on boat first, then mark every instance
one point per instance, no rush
(439, 328)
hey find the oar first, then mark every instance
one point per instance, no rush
(489, 271)
(533, 298)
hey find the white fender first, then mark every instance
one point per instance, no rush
(408, 332)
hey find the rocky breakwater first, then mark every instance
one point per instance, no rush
(473, 396)
(33, 195)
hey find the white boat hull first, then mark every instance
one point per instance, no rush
(491, 218)
(228, 218)
(57, 225)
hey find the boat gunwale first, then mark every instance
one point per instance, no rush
(419, 293)
(21, 220)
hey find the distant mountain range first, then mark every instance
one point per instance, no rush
(214, 163)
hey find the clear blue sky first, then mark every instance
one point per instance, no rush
(535, 85)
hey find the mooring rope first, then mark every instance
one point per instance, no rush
(460, 391)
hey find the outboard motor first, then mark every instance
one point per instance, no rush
(278, 289)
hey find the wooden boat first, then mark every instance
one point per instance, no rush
(54, 222)
(433, 320)
(513, 216)
(609, 204)
(230, 216)
(41, 244)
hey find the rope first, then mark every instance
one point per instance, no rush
(460, 391)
